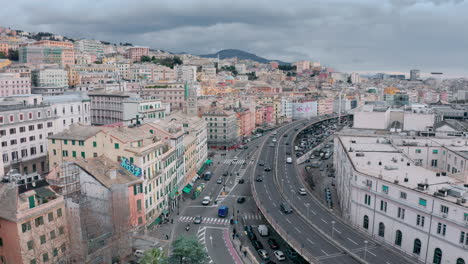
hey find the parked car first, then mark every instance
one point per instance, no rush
(261, 163)
(273, 244)
(257, 244)
(139, 253)
(279, 255)
(263, 254)
(225, 173)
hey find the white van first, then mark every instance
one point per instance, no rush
(263, 230)
(289, 160)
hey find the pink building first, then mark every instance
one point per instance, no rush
(33, 224)
(246, 120)
(48, 52)
(274, 64)
(325, 106)
(13, 84)
(135, 53)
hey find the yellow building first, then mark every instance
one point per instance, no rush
(4, 63)
(74, 70)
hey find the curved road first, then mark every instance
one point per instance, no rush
(309, 228)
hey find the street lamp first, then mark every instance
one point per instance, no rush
(333, 228)
(365, 248)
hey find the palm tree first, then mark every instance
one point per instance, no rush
(153, 256)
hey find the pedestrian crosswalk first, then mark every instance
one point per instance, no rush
(251, 216)
(205, 220)
(231, 161)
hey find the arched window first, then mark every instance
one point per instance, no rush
(417, 246)
(460, 261)
(398, 238)
(437, 256)
(381, 229)
(365, 224)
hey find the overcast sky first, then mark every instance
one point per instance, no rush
(358, 35)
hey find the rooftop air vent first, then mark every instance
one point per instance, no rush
(406, 179)
(390, 167)
(359, 154)
(423, 186)
(438, 174)
(444, 173)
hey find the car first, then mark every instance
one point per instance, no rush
(241, 200)
(296, 129)
(263, 254)
(288, 152)
(248, 229)
(285, 135)
(302, 191)
(286, 208)
(279, 255)
(198, 219)
(261, 163)
(322, 168)
(257, 244)
(219, 181)
(272, 243)
(234, 159)
(225, 173)
(241, 181)
(287, 144)
(246, 147)
(267, 169)
(291, 253)
(272, 145)
(206, 200)
(259, 178)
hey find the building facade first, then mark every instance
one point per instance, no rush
(13, 84)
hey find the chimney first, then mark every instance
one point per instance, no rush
(113, 174)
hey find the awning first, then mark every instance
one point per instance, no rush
(208, 162)
(165, 211)
(174, 192)
(200, 171)
(155, 222)
(187, 188)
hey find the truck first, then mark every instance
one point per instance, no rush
(223, 211)
(289, 160)
(263, 230)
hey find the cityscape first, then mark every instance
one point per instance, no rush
(165, 142)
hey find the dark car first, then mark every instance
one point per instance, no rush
(261, 163)
(241, 181)
(241, 200)
(259, 178)
(288, 152)
(287, 144)
(257, 244)
(285, 135)
(267, 169)
(225, 173)
(251, 236)
(248, 229)
(273, 244)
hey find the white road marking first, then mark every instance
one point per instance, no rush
(287, 220)
(371, 253)
(310, 241)
(324, 252)
(313, 212)
(274, 204)
(338, 231)
(324, 221)
(297, 229)
(352, 241)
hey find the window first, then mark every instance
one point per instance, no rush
(383, 206)
(401, 213)
(31, 128)
(83, 155)
(420, 220)
(434, 163)
(417, 246)
(25, 227)
(437, 256)
(385, 189)
(62, 247)
(32, 201)
(139, 204)
(22, 129)
(39, 221)
(402, 195)
(50, 216)
(52, 234)
(45, 257)
(65, 153)
(65, 142)
(81, 143)
(418, 150)
(42, 239)
(116, 145)
(30, 245)
(1, 242)
(463, 238)
(12, 131)
(55, 252)
(74, 154)
(441, 228)
(381, 229)
(444, 209)
(398, 238)
(365, 223)
(73, 142)
(435, 151)
(61, 230)
(59, 212)
(94, 144)
(33, 261)
(367, 199)
(422, 202)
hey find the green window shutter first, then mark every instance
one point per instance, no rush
(65, 142)
(83, 155)
(73, 142)
(53, 141)
(116, 145)
(94, 144)
(131, 159)
(32, 202)
(422, 202)
(74, 154)
(135, 190)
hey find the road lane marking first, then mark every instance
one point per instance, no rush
(352, 241)
(274, 204)
(371, 253)
(324, 221)
(310, 241)
(313, 212)
(338, 231)
(287, 220)
(324, 252)
(297, 229)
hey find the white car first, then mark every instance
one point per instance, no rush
(279, 255)
(206, 200)
(139, 253)
(234, 159)
(302, 191)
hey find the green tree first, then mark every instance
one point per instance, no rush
(2, 55)
(153, 256)
(13, 55)
(145, 59)
(187, 250)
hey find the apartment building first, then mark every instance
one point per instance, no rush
(409, 193)
(107, 208)
(47, 52)
(222, 128)
(138, 150)
(186, 73)
(171, 93)
(49, 77)
(13, 84)
(123, 68)
(151, 72)
(75, 70)
(70, 108)
(33, 224)
(90, 46)
(246, 121)
(135, 53)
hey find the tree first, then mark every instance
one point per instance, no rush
(153, 256)
(2, 55)
(13, 55)
(145, 59)
(187, 250)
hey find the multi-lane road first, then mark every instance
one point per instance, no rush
(312, 229)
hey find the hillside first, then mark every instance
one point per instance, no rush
(240, 54)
